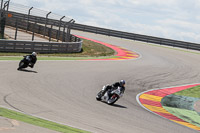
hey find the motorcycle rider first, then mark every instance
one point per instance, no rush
(114, 86)
(31, 59)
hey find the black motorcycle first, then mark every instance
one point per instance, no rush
(25, 62)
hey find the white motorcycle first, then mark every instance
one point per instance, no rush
(110, 97)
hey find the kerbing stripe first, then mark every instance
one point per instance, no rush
(122, 53)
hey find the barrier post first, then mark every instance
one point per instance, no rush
(46, 24)
(50, 32)
(1, 4)
(63, 36)
(69, 28)
(33, 34)
(29, 11)
(16, 25)
(58, 36)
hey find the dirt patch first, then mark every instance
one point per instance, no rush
(7, 124)
(182, 102)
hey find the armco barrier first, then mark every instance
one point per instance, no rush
(41, 47)
(138, 37)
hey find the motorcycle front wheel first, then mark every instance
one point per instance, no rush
(22, 65)
(99, 95)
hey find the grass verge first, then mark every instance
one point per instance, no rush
(191, 92)
(55, 58)
(38, 121)
(186, 115)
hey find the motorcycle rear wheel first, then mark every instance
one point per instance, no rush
(22, 64)
(113, 99)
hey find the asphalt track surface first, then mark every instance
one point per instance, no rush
(64, 91)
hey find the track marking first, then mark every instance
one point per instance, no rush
(6, 128)
(14, 123)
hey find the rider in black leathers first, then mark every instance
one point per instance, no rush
(114, 86)
(31, 59)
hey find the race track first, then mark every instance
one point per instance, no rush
(64, 91)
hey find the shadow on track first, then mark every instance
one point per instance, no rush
(119, 106)
(24, 70)
(116, 105)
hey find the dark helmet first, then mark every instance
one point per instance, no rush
(122, 82)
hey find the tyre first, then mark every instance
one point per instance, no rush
(113, 99)
(99, 95)
(22, 65)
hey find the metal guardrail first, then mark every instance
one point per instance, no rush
(41, 47)
(138, 37)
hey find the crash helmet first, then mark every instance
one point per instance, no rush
(122, 82)
(34, 54)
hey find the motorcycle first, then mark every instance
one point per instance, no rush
(110, 97)
(25, 62)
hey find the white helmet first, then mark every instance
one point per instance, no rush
(34, 54)
(122, 82)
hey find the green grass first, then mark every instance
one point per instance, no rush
(186, 115)
(91, 48)
(10, 58)
(38, 122)
(191, 92)
(74, 58)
